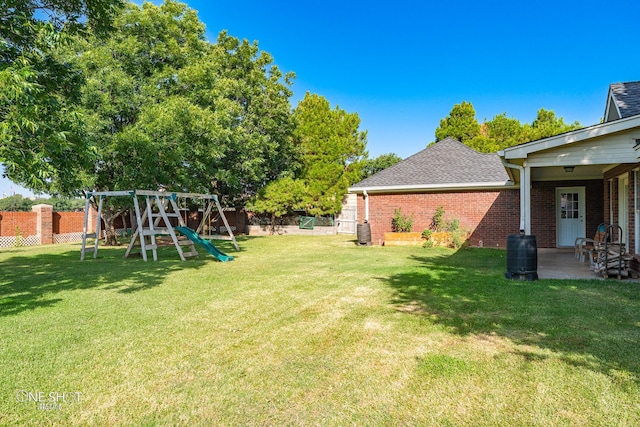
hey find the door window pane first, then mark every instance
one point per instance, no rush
(569, 205)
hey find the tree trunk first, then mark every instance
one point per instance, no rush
(273, 224)
(109, 228)
(124, 222)
(109, 215)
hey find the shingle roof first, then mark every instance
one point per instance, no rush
(627, 98)
(447, 162)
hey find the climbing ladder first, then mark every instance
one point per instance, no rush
(165, 208)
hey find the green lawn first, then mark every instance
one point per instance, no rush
(310, 331)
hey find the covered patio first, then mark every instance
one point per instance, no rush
(556, 175)
(561, 263)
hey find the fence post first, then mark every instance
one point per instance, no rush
(44, 224)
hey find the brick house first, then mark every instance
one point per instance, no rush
(556, 188)
(472, 187)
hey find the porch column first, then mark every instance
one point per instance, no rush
(525, 198)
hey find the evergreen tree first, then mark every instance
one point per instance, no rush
(460, 124)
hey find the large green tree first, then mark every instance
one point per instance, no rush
(501, 131)
(41, 134)
(164, 107)
(331, 151)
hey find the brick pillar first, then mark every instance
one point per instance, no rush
(44, 225)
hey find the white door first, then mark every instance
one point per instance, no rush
(570, 203)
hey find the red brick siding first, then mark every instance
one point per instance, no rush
(25, 221)
(490, 215)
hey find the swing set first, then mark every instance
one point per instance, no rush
(157, 207)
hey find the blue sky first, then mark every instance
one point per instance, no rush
(403, 65)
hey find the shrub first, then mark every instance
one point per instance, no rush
(19, 238)
(438, 223)
(444, 233)
(401, 222)
(458, 239)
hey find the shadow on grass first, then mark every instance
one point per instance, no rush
(590, 323)
(32, 281)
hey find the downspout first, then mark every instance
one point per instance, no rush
(522, 193)
(366, 205)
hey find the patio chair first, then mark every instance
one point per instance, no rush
(585, 245)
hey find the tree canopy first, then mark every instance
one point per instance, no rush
(501, 131)
(17, 203)
(460, 124)
(165, 107)
(375, 165)
(41, 138)
(158, 105)
(331, 151)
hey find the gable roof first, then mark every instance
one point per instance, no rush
(623, 101)
(447, 164)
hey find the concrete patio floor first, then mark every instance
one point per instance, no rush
(562, 264)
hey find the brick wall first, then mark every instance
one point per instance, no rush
(632, 222)
(25, 221)
(44, 223)
(490, 215)
(68, 222)
(42, 226)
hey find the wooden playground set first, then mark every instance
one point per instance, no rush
(154, 211)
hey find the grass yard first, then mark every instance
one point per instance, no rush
(311, 331)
